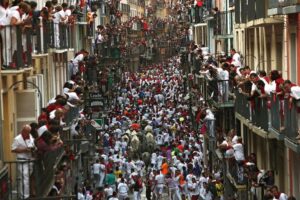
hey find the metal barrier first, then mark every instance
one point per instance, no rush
(72, 114)
(276, 113)
(260, 113)
(282, 116)
(15, 54)
(33, 177)
(291, 115)
(61, 197)
(56, 35)
(236, 171)
(219, 90)
(19, 185)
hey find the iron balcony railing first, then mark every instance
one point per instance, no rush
(235, 171)
(276, 113)
(223, 23)
(56, 35)
(16, 46)
(254, 109)
(33, 175)
(242, 105)
(282, 3)
(218, 90)
(20, 42)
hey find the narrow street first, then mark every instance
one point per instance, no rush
(149, 99)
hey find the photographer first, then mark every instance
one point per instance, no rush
(23, 146)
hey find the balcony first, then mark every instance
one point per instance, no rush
(235, 174)
(223, 24)
(275, 117)
(16, 55)
(247, 11)
(254, 113)
(279, 7)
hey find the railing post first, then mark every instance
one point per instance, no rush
(18, 54)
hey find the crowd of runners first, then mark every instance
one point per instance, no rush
(149, 148)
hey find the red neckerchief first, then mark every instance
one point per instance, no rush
(25, 137)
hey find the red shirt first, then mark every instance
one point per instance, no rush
(180, 147)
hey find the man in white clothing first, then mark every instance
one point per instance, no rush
(159, 184)
(74, 63)
(23, 146)
(236, 58)
(123, 190)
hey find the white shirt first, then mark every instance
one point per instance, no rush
(283, 196)
(295, 92)
(12, 13)
(108, 191)
(72, 96)
(238, 152)
(80, 196)
(19, 142)
(3, 15)
(78, 59)
(123, 188)
(193, 188)
(58, 16)
(159, 139)
(205, 195)
(160, 179)
(236, 60)
(153, 158)
(96, 168)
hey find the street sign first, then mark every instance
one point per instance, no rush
(97, 123)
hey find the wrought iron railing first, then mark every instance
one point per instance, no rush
(282, 3)
(16, 46)
(275, 113)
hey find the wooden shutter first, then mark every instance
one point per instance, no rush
(27, 107)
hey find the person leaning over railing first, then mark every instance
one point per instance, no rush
(14, 17)
(292, 91)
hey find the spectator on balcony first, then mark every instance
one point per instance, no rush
(60, 102)
(12, 21)
(23, 145)
(292, 90)
(240, 158)
(99, 39)
(59, 18)
(47, 13)
(277, 83)
(58, 115)
(75, 63)
(74, 98)
(236, 58)
(45, 144)
(278, 195)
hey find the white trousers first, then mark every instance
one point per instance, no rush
(25, 169)
(137, 195)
